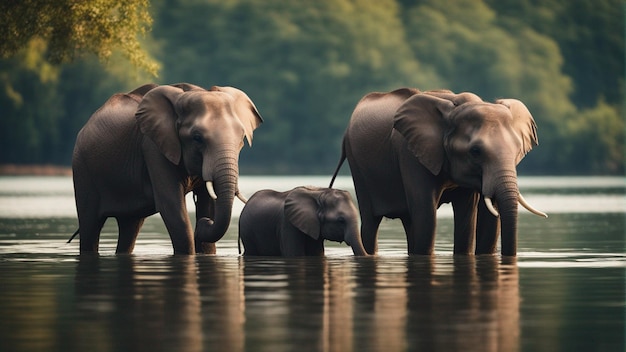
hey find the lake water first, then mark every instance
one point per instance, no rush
(565, 291)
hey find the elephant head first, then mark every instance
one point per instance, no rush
(202, 131)
(325, 213)
(474, 143)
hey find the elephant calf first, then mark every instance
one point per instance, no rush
(296, 222)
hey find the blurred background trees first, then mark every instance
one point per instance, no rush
(306, 64)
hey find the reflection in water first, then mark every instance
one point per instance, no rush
(472, 304)
(277, 304)
(223, 312)
(124, 304)
(565, 292)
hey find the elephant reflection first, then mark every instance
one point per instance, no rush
(172, 303)
(423, 307)
(303, 303)
(134, 307)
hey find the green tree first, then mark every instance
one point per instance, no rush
(52, 75)
(466, 43)
(71, 27)
(304, 65)
(590, 36)
(597, 141)
(30, 106)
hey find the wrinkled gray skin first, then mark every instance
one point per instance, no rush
(296, 222)
(410, 151)
(141, 152)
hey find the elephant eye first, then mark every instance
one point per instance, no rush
(197, 138)
(475, 151)
(341, 220)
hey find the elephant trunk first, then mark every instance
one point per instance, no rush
(223, 179)
(353, 239)
(506, 196)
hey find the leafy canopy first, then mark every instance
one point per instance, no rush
(74, 27)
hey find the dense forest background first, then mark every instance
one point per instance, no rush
(305, 64)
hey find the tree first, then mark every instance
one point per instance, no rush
(590, 36)
(50, 82)
(304, 64)
(72, 27)
(597, 140)
(473, 49)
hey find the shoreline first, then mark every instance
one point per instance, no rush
(34, 170)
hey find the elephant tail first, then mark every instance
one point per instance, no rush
(341, 160)
(74, 235)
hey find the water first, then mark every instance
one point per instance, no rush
(565, 290)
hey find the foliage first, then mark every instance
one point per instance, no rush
(597, 140)
(306, 64)
(71, 27)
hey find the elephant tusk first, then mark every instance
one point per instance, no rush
(489, 205)
(528, 207)
(243, 199)
(209, 188)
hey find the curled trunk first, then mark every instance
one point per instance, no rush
(224, 181)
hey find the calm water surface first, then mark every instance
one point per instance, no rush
(565, 291)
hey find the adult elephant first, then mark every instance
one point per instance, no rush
(296, 222)
(409, 151)
(141, 152)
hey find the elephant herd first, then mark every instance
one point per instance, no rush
(409, 151)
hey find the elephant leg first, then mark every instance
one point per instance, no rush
(369, 232)
(407, 224)
(169, 199)
(89, 229)
(423, 195)
(369, 221)
(487, 230)
(128, 230)
(464, 203)
(90, 221)
(205, 208)
(421, 236)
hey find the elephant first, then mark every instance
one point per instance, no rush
(296, 222)
(409, 151)
(143, 151)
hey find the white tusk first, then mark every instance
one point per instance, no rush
(209, 187)
(489, 205)
(528, 207)
(242, 198)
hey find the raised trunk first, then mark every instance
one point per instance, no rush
(225, 178)
(506, 196)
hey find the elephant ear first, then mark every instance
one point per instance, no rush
(245, 110)
(523, 123)
(141, 91)
(421, 119)
(186, 87)
(301, 210)
(457, 99)
(157, 120)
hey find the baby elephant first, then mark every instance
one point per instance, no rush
(296, 222)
